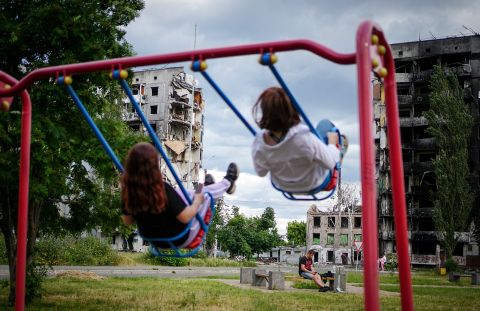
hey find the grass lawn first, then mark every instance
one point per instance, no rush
(68, 293)
(428, 277)
(132, 259)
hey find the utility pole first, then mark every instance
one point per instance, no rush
(192, 117)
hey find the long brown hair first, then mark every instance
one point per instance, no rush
(274, 111)
(142, 182)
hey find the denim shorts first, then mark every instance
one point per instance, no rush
(307, 275)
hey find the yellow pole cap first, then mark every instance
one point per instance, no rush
(375, 39)
(383, 72)
(68, 80)
(382, 49)
(5, 106)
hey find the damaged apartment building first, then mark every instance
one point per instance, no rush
(333, 235)
(165, 96)
(414, 63)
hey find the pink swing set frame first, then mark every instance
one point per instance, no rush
(372, 53)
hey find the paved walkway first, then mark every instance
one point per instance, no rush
(153, 271)
(289, 288)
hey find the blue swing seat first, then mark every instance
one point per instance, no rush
(323, 128)
(179, 252)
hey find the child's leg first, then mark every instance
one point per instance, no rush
(195, 225)
(218, 189)
(323, 128)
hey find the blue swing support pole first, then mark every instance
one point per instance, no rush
(151, 132)
(269, 59)
(62, 81)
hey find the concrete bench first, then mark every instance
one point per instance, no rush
(455, 277)
(261, 277)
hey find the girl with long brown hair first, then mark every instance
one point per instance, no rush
(159, 210)
(298, 161)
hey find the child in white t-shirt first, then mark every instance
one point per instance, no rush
(298, 161)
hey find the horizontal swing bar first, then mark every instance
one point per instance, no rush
(137, 61)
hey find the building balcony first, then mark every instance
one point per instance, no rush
(179, 104)
(430, 236)
(179, 121)
(421, 212)
(424, 144)
(138, 98)
(417, 167)
(129, 116)
(423, 76)
(461, 70)
(405, 99)
(385, 212)
(413, 122)
(387, 235)
(422, 99)
(403, 77)
(421, 190)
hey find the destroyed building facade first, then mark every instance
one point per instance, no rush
(333, 235)
(414, 63)
(176, 116)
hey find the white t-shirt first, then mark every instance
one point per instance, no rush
(299, 163)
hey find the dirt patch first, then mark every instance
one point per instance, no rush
(82, 275)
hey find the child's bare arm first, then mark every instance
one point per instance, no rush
(332, 138)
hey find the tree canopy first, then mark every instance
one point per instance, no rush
(68, 166)
(246, 236)
(451, 124)
(297, 233)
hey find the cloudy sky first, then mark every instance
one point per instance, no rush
(324, 90)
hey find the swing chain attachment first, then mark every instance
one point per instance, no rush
(64, 80)
(378, 53)
(118, 74)
(5, 103)
(199, 65)
(267, 59)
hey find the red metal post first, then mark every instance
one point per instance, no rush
(23, 202)
(24, 180)
(367, 166)
(398, 187)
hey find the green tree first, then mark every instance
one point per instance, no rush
(234, 235)
(68, 165)
(264, 234)
(297, 233)
(246, 236)
(218, 222)
(451, 124)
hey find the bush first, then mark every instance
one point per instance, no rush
(3, 251)
(71, 250)
(451, 265)
(165, 261)
(200, 254)
(36, 274)
(392, 262)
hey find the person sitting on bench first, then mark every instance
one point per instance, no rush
(307, 271)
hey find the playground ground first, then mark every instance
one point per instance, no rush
(190, 288)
